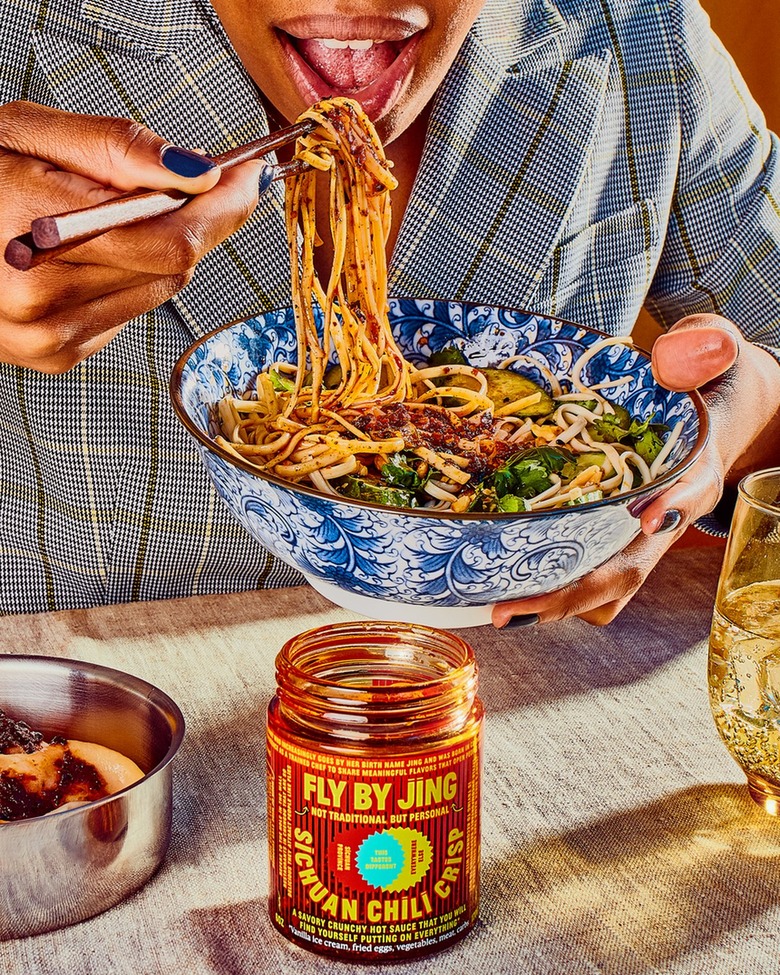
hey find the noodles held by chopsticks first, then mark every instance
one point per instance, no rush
(372, 425)
(354, 299)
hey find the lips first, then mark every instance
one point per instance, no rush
(374, 70)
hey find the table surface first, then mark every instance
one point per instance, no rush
(618, 836)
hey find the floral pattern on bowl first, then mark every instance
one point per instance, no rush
(417, 558)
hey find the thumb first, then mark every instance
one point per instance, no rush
(116, 152)
(696, 350)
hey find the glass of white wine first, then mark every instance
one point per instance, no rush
(744, 656)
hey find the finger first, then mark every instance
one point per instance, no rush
(175, 242)
(696, 493)
(32, 187)
(598, 595)
(602, 615)
(58, 287)
(37, 182)
(116, 152)
(65, 341)
(694, 351)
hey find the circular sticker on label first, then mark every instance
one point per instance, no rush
(394, 859)
(380, 859)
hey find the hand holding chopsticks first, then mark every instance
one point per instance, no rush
(55, 163)
(50, 236)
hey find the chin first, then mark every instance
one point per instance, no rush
(400, 117)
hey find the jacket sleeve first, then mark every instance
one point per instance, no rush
(722, 250)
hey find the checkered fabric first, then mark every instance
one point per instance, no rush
(582, 159)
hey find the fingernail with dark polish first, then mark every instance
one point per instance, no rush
(671, 520)
(527, 619)
(266, 178)
(183, 162)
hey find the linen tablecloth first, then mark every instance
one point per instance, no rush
(618, 835)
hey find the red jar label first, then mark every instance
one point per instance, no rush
(374, 857)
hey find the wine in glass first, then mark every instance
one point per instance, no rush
(744, 654)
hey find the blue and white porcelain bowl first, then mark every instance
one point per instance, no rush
(441, 569)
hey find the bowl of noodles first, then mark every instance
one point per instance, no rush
(418, 459)
(590, 445)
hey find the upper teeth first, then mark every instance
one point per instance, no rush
(355, 45)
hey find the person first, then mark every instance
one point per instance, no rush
(577, 158)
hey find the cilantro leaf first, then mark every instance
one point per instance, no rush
(647, 442)
(399, 472)
(527, 473)
(358, 488)
(511, 502)
(609, 429)
(643, 435)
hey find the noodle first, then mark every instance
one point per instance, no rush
(437, 430)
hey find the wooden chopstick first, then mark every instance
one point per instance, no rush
(78, 226)
(53, 235)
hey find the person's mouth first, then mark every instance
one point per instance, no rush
(371, 62)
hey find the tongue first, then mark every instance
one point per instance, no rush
(345, 69)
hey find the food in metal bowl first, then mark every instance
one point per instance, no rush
(38, 776)
(74, 862)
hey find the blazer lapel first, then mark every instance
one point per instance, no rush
(507, 149)
(170, 66)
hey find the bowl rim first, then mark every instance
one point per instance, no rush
(656, 486)
(143, 688)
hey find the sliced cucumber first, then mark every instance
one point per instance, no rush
(590, 458)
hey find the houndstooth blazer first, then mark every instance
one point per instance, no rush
(582, 159)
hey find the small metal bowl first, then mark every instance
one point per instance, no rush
(68, 866)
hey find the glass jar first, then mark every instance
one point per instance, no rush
(374, 749)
